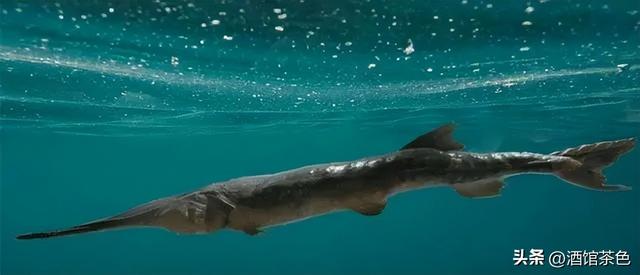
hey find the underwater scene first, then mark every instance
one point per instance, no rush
(106, 105)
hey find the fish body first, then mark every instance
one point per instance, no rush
(250, 204)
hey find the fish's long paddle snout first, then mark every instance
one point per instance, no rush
(89, 227)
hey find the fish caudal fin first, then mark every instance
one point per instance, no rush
(588, 161)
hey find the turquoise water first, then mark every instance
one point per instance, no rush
(105, 105)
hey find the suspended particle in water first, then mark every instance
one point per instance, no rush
(348, 43)
(215, 22)
(227, 37)
(429, 70)
(527, 23)
(409, 49)
(279, 28)
(175, 61)
(282, 16)
(277, 11)
(310, 33)
(529, 9)
(371, 66)
(622, 67)
(525, 49)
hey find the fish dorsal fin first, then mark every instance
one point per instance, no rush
(439, 139)
(480, 189)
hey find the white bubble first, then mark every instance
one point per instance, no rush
(277, 11)
(227, 37)
(409, 49)
(215, 22)
(348, 43)
(529, 9)
(527, 23)
(279, 28)
(282, 16)
(111, 10)
(622, 67)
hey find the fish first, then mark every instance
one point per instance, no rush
(252, 204)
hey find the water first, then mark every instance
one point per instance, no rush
(106, 105)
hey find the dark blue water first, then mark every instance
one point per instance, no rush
(106, 105)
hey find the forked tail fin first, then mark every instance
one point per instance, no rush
(588, 162)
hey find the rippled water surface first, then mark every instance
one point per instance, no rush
(108, 104)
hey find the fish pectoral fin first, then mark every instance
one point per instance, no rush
(370, 208)
(252, 231)
(439, 139)
(480, 189)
